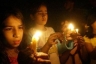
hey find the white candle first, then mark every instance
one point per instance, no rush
(35, 39)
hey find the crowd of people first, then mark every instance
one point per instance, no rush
(58, 45)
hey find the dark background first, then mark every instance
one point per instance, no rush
(55, 8)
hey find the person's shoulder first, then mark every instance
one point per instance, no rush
(84, 36)
(86, 39)
(31, 29)
(49, 28)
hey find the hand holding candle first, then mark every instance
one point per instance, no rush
(35, 39)
(72, 32)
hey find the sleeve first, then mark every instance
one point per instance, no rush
(62, 47)
(51, 30)
(54, 58)
(53, 55)
(53, 49)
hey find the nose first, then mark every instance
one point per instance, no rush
(15, 33)
(44, 14)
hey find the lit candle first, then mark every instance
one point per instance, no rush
(35, 39)
(76, 30)
(71, 27)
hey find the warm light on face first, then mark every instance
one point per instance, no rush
(71, 27)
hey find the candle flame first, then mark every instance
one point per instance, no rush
(77, 30)
(71, 27)
(37, 35)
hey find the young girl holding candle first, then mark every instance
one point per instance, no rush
(11, 38)
(39, 16)
(13, 41)
(74, 54)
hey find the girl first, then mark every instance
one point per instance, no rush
(39, 16)
(72, 54)
(13, 40)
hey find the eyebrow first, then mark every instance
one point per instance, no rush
(41, 11)
(12, 26)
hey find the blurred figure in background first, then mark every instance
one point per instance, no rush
(90, 36)
(77, 54)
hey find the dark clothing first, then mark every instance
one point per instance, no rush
(22, 59)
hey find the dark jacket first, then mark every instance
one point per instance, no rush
(22, 58)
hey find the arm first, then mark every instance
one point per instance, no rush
(89, 47)
(88, 44)
(53, 55)
(50, 42)
(47, 46)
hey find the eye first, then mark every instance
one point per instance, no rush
(20, 27)
(40, 13)
(8, 28)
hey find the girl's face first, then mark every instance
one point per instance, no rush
(41, 15)
(94, 25)
(13, 31)
(64, 26)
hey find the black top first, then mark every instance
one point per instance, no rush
(22, 59)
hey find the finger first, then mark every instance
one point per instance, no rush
(69, 38)
(33, 57)
(75, 44)
(41, 54)
(42, 60)
(53, 36)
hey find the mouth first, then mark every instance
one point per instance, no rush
(17, 42)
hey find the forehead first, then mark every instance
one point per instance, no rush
(65, 22)
(42, 7)
(12, 20)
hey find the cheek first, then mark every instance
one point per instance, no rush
(46, 17)
(8, 36)
(94, 26)
(21, 34)
(38, 18)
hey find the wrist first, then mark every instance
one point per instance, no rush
(49, 45)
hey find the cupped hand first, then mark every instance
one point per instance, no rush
(40, 57)
(52, 38)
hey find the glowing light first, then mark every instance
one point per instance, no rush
(71, 27)
(36, 35)
(77, 30)
(35, 39)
